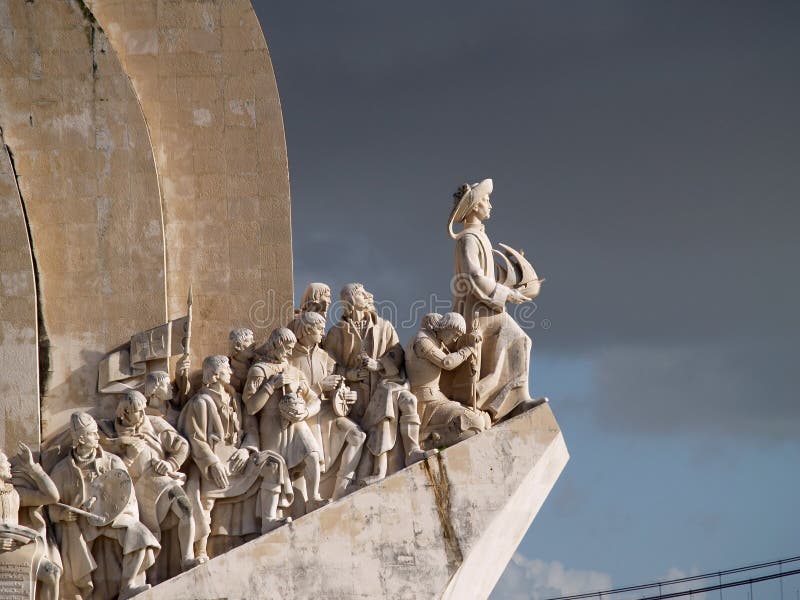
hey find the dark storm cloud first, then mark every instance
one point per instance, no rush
(645, 155)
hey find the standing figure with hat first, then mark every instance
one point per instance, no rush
(85, 537)
(498, 383)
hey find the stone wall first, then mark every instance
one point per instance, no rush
(150, 153)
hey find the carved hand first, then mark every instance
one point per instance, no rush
(218, 475)
(238, 460)
(26, 457)
(69, 516)
(370, 363)
(473, 338)
(162, 467)
(6, 544)
(350, 396)
(330, 382)
(183, 366)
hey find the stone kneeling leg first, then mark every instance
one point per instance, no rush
(409, 429)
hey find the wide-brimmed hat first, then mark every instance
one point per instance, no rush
(464, 201)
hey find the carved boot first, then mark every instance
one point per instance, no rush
(342, 484)
(409, 430)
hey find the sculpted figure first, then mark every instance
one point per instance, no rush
(316, 298)
(227, 468)
(444, 421)
(340, 437)
(80, 534)
(278, 394)
(21, 501)
(501, 382)
(160, 391)
(153, 453)
(241, 355)
(368, 353)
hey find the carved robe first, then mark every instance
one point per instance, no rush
(216, 425)
(426, 359)
(293, 441)
(330, 430)
(162, 442)
(72, 477)
(505, 350)
(377, 407)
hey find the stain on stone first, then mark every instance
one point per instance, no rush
(441, 492)
(44, 339)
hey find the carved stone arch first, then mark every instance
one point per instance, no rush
(87, 178)
(204, 77)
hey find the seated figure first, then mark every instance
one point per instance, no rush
(340, 437)
(153, 453)
(79, 533)
(227, 467)
(444, 421)
(279, 396)
(23, 493)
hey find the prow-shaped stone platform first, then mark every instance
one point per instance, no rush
(443, 528)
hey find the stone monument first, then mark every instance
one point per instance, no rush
(180, 431)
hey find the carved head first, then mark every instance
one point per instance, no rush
(316, 298)
(280, 344)
(471, 200)
(158, 385)
(450, 327)
(310, 328)
(5, 467)
(83, 429)
(130, 410)
(242, 342)
(355, 297)
(430, 320)
(216, 368)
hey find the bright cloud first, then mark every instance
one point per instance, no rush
(534, 579)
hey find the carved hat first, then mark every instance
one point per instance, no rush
(80, 422)
(464, 201)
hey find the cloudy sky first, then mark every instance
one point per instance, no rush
(646, 155)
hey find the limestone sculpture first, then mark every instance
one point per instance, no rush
(368, 354)
(341, 438)
(279, 395)
(228, 471)
(23, 492)
(242, 352)
(93, 537)
(498, 384)
(444, 421)
(153, 453)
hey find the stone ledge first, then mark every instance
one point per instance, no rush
(444, 528)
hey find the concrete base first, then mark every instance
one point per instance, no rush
(444, 528)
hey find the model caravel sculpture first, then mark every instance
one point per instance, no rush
(277, 430)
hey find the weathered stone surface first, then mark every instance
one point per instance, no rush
(19, 385)
(204, 78)
(443, 528)
(88, 181)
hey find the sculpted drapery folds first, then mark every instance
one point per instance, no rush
(228, 473)
(79, 535)
(340, 437)
(23, 492)
(153, 453)
(444, 421)
(279, 396)
(501, 383)
(368, 354)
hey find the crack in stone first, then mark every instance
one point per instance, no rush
(43, 339)
(441, 493)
